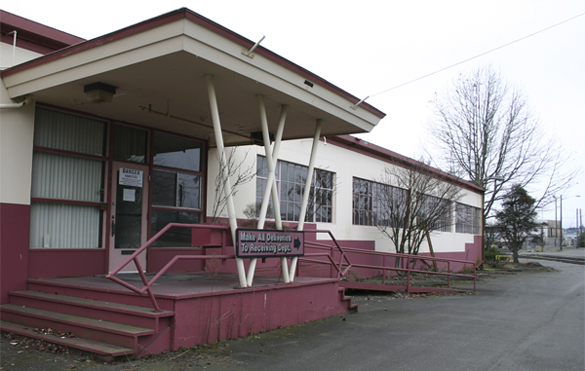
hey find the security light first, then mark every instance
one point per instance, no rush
(99, 92)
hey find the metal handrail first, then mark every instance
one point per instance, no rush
(342, 266)
(148, 284)
(343, 258)
(408, 269)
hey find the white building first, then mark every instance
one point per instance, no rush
(104, 142)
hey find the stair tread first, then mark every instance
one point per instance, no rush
(115, 327)
(91, 346)
(109, 306)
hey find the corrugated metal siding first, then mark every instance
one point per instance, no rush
(66, 226)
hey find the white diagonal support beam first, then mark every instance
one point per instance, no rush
(225, 174)
(271, 159)
(306, 192)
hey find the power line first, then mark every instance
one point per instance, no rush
(474, 57)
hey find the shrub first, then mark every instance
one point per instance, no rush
(491, 253)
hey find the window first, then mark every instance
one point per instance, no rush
(440, 211)
(67, 180)
(176, 188)
(376, 203)
(468, 219)
(129, 144)
(177, 152)
(290, 181)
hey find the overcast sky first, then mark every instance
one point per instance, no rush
(366, 47)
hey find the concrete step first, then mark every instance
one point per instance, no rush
(119, 295)
(103, 351)
(114, 312)
(84, 327)
(351, 306)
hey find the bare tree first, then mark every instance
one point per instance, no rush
(486, 133)
(414, 201)
(239, 175)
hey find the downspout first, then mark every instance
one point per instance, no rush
(15, 105)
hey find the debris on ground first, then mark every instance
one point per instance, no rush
(23, 342)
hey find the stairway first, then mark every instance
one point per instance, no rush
(107, 330)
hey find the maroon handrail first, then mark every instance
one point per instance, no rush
(408, 257)
(337, 265)
(342, 258)
(148, 284)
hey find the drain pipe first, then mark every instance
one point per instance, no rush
(13, 46)
(15, 105)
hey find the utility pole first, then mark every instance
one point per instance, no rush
(556, 223)
(561, 234)
(580, 225)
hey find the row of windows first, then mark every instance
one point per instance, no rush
(370, 200)
(69, 171)
(377, 204)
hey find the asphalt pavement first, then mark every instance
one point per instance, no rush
(521, 321)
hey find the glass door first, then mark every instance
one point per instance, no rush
(129, 214)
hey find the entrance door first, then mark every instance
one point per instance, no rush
(129, 217)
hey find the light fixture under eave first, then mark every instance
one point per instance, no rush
(99, 92)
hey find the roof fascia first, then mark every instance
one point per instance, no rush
(34, 36)
(61, 67)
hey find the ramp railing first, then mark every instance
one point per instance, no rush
(332, 254)
(385, 263)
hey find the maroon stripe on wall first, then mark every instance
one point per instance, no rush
(14, 239)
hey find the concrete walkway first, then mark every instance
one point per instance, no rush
(524, 321)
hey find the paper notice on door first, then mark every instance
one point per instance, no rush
(129, 195)
(131, 177)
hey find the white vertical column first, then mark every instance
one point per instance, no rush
(306, 192)
(223, 165)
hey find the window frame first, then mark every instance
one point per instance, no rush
(468, 219)
(375, 196)
(282, 170)
(103, 158)
(199, 212)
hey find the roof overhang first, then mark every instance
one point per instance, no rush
(159, 66)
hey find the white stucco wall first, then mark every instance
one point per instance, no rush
(16, 136)
(345, 164)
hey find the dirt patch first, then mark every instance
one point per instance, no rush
(496, 267)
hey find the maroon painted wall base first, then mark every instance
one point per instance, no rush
(14, 238)
(66, 262)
